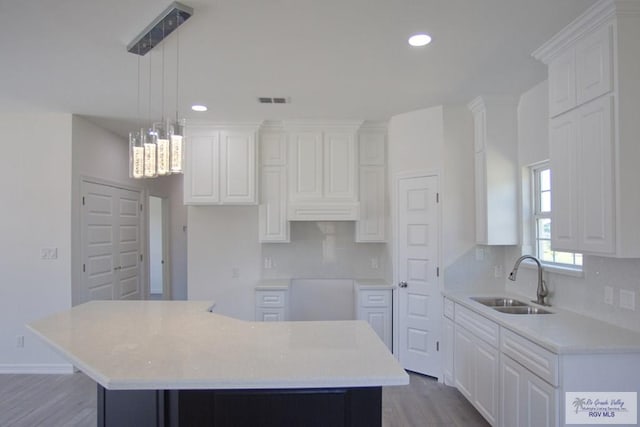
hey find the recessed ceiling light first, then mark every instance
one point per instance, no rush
(419, 40)
(199, 108)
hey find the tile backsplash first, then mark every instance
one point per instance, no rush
(324, 250)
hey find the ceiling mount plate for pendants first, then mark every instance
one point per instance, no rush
(172, 17)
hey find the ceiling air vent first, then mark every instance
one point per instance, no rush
(266, 100)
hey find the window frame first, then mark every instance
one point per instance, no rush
(537, 214)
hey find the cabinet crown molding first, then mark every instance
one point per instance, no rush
(200, 124)
(482, 102)
(595, 16)
(297, 125)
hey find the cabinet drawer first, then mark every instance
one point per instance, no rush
(538, 360)
(479, 326)
(375, 298)
(448, 308)
(270, 298)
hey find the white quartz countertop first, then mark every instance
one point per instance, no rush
(562, 332)
(180, 345)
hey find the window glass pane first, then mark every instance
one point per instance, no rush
(544, 228)
(544, 250)
(564, 257)
(545, 201)
(545, 180)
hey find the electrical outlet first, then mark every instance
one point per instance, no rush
(49, 253)
(627, 299)
(20, 341)
(479, 254)
(498, 271)
(235, 272)
(608, 295)
(268, 263)
(375, 264)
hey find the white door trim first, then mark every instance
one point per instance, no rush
(396, 250)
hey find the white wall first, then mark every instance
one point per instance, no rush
(221, 240)
(35, 183)
(324, 250)
(440, 139)
(98, 153)
(155, 245)
(582, 294)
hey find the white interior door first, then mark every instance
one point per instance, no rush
(417, 273)
(111, 242)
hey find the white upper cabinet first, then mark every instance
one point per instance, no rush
(581, 72)
(594, 128)
(371, 225)
(220, 165)
(323, 171)
(273, 225)
(496, 170)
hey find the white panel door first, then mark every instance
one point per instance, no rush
(339, 166)
(562, 151)
(562, 83)
(129, 284)
(237, 167)
(417, 264)
(594, 61)
(111, 242)
(305, 166)
(202, 170)
(595, 176)
(272, 213)
(99, 241)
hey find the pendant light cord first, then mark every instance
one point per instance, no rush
(177, 60)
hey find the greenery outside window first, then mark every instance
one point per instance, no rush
(541, 177)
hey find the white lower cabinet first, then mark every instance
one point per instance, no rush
(476, 365)
(527, 400)
(374, 307)
(272, 305)
(448, 335)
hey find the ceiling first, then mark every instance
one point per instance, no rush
(335, 59)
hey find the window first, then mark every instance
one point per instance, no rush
(541, 175)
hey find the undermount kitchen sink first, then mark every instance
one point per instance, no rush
(509, 305)
(527, 309)
(499, 302)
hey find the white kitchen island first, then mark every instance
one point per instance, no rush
(169, 363)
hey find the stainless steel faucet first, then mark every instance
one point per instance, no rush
(542, 291)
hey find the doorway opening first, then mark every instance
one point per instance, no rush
(158, 253)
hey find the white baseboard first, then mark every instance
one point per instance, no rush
(36, 368)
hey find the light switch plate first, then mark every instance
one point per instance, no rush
(608, 295)
(627, 299)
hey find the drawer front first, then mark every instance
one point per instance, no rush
(538, 360)
(448, 308)
(479, 326)
(270, 298)
(375, 298)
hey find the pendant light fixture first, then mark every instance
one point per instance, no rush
(158, 151)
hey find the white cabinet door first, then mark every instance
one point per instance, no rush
(201, 172)
(595, 176)
(562, 83)
(238, 167)
(526, 400)
(448, 335)
(486, 370)
(463, 361)
(380, 320)
(511, 387)
(562, 150)
(581, 151)
(594, 62)
(305, 167)
(339, 172)
(374, 307)
(371, 225)
(272, 214)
